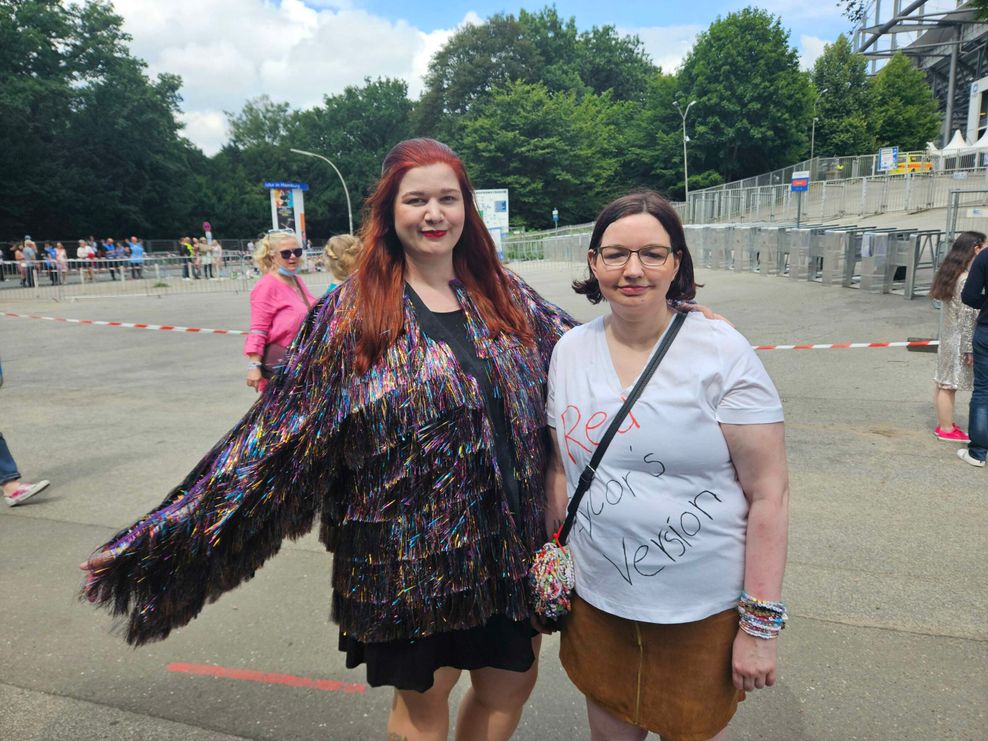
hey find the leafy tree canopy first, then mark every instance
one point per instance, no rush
(752, 102)
(906, 112)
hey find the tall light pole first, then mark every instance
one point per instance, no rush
(349, 210)
(686, 172)
(813, 127)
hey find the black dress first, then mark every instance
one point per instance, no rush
(501, 643)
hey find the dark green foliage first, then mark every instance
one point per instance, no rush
(91, 144)
(846, 112)
(565, 119)
(752, 111)
(905, 112)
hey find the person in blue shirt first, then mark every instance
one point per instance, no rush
(136, 258)
(975, 295)
(108, 255)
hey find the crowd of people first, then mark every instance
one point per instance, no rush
(53, 261)
(200, 258)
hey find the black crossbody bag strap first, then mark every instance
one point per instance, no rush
(587, 477)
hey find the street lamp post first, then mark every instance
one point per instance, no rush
(686, 172)
(349, 210)
(813, 127)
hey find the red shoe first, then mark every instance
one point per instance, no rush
(956, 435)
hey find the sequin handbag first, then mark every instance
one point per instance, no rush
(552, 577)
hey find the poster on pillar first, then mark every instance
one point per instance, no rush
(288, 207)
(492, 204)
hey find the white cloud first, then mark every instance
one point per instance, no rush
(666, 45)
(207, 129)
(810, 49)
(227, 51)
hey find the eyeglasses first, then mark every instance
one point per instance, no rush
(287, 254)
(617, 257)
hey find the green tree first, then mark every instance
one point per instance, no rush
(905, 109)
(260, 121)
(91, 144)
(846, 110)
(753, 104)
(355, 130)
(468, 67)
(535, 47)
(551, 150)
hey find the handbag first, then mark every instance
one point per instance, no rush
(552, 577)
(273, 359)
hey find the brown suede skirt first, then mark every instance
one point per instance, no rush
(674, 680)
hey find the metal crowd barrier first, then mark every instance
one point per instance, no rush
(898, 261)
(101, 277)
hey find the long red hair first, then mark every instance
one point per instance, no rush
(379, 277)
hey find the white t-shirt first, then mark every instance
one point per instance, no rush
(660, 535)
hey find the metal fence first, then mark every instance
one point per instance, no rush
(839, 186)
(896, 261)
(834, 200)
(154, 276)
(966, 211)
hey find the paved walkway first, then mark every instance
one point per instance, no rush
(886, 579)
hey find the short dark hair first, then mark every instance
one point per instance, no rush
(683, 288)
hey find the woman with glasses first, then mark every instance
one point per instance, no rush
(688, 509)
(279, 302)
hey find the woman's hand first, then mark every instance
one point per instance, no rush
(707, 312)
(254, 379)
(754, 662)
(96, 563)
(969, 359)
(543, 627)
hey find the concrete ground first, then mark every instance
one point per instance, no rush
(886, 578)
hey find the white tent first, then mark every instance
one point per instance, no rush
(932, 151)
(956, 147)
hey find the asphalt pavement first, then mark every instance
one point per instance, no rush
(886, 578)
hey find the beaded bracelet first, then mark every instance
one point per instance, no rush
(761, 618)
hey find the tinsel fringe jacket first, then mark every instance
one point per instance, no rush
(398, 463)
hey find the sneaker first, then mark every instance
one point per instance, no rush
(25, 491)
(956, 435)
(965, 456)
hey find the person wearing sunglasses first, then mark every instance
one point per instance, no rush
(279, 303)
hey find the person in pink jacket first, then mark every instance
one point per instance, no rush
(278, 305)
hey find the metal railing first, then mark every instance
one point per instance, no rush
(102, 277)
(834, 200)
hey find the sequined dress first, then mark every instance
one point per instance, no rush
(399, 465)
(957, 322)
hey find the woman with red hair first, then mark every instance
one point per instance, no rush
(410, 416)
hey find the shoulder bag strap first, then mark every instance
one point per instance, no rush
(305, 297)
(587, 477)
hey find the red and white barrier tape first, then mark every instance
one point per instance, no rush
(128, 325)
(850, 345)
(202, 330)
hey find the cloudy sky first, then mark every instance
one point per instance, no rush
(227, 51)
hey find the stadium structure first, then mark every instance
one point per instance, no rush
(947, 41)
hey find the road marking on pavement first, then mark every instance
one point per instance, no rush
(200, 330)
(248, 675)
